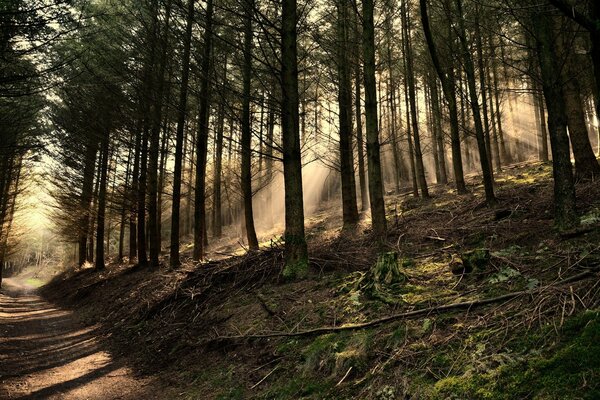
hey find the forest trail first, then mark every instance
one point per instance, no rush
(45, 353)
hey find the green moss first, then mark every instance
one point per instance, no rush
(296, 271)
(235, 393)
(570, 369)
(476, 260)
(299, 388)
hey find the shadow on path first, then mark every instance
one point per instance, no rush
(46, 354)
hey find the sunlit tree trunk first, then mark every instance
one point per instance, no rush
(100, 262)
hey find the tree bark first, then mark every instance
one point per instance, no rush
(565, 213)
(449, 89)
(202, 139)
(296, 251)
(488, 180)
(100, 262)
(349, 208)
(372, 129)
(246, 139)
(410, 78)
(179, 137)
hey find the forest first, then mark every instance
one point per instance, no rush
(299, 199)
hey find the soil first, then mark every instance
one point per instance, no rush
(47, 353)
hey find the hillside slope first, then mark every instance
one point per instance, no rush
(466, 302)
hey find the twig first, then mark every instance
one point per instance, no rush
(266, 376)
(345, 376)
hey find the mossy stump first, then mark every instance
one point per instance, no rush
(384, 278)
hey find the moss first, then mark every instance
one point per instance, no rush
(296, 271)
(299, 388)
(570, 369)
(234, 393)
(476, 260)
(320, 354)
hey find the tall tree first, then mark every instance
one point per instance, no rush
(372, 126)
(246, 139)
(349, 208)
(202, 138)
(565, 213)
(469, 67)
(296, 251)
(447, 77)
(179, 137)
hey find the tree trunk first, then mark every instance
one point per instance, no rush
(565, 213)
(449, 89)
(296, 251)
(372, 130)
(246, 139)
(153, 166)
(202, 139)
(100, 262)
(360, 145)
(488, 180)
(349, 208)
(89, 170)
(410, 78)
(179, 137)
(586, 164)
(439, 133)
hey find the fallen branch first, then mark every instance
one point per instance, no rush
(425, 311)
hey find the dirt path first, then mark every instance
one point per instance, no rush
(46, 354)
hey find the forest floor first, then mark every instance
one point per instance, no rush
(523, 324)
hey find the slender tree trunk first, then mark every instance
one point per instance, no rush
(202, 139)
(296, 251)
(488, 180)
(218, 172)
(156, 112)
(449, 89)
(89, 170)
(179, 138)
(100, 262)
(350, 210)
(132, 198)
(124, 205)
(409, 136)
(439, 134)
(372, 129)
(364, 196)
(483, 86)
(246, 139)
(410, 77)
(565, 213)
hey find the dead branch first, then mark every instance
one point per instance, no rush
(414, 313)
